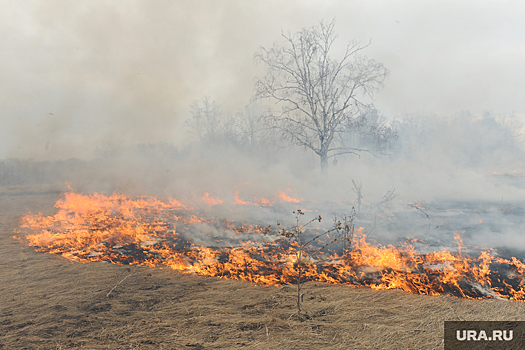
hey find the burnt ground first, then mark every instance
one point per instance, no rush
(48, 302)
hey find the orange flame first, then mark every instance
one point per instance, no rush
(147, 231)
(210, 200)
(286, 198)
(263, 202)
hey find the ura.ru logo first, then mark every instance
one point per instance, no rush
(473, 335)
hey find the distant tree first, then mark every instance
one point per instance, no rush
(320, 97)
(206, 119)
(249, 123)
(369, 131)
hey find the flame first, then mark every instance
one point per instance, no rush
(513, 173)
(240, 201)
(286, 198)
(210, 200)
(148, 231)
(281, 197)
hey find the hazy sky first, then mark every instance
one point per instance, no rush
(82, 75)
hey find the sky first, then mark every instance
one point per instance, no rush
(78, 77)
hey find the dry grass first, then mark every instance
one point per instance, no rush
(48, 302)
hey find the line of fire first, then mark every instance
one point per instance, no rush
(153, 232)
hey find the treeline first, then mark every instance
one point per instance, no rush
(25, 172)
(464, 140)
(250, 131)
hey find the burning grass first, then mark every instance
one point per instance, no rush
(148, 231)
(50, 303)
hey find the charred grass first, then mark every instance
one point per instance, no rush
(48, 302)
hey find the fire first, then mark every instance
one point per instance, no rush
(281, 197)
(210, 200)
(148, 231)
(286, 198)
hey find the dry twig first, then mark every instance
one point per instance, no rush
(116, 285)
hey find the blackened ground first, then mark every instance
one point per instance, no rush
(48, 302)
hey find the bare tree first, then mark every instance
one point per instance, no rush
(320, 97)
(206, 119)
(250, 125)
(369, 130)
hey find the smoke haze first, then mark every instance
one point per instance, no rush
(79, 77)
(110, 83)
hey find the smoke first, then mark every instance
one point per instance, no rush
(97, 95)
(81, 76)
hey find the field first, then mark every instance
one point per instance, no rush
(49, 302)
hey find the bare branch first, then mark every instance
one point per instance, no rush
(319, 96)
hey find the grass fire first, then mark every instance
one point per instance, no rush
(147, 231)
(259, 175)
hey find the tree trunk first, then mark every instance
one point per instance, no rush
(324, 161)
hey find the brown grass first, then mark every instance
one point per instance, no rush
(47, 302)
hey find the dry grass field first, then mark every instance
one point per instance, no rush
(48, 302)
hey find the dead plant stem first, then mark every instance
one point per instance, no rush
(116, 285)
